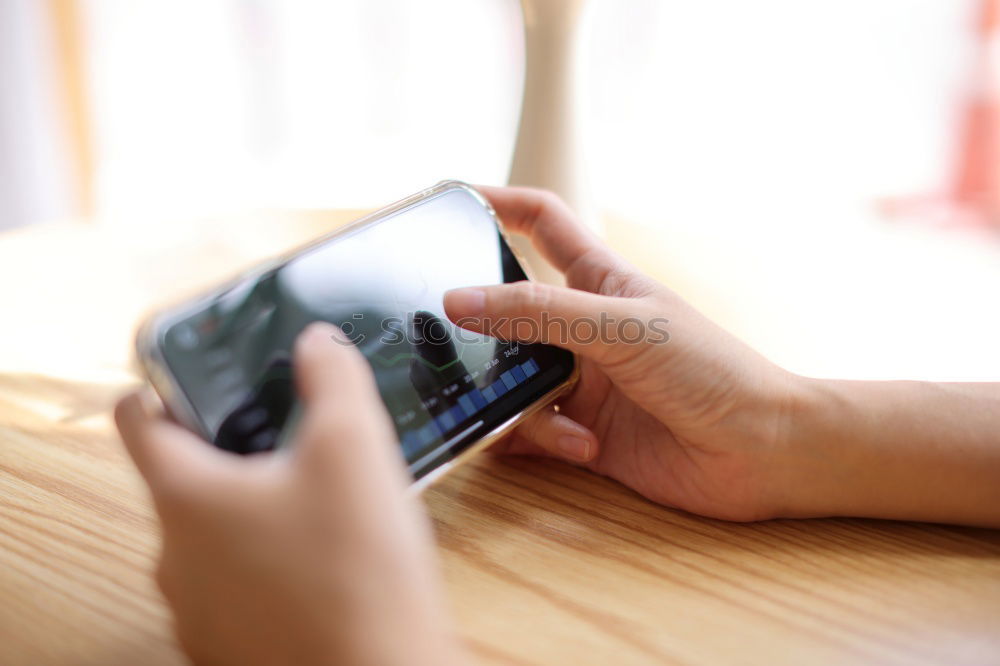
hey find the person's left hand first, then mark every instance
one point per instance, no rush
(311, 555)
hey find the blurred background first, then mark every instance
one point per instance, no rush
(746, 151)
(110, 106)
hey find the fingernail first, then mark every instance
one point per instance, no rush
(574, 447)
(466, 302)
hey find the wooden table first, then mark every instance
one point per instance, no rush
(545, 564)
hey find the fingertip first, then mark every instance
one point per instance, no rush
(125, 409)
(559, 436)
(319, 347)
(314, 336)
(330, 370)
(464, 303)
(576, 447)
(130, 416)
(493, 192)
(156, 445)
(573, 441)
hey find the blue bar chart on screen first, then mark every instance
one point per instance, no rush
(467, 405)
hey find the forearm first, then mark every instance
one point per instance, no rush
(904, 450)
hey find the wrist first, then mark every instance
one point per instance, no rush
(807, 466)
(826, 466)
(769, 428)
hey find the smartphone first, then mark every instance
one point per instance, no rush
(222, 362)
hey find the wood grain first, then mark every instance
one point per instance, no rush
(545, 564)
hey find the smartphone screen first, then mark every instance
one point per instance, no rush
(383, 284)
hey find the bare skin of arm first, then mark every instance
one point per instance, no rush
(907, 450)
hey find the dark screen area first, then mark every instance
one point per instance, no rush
(383, 284)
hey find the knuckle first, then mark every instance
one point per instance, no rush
(613, 282)
(531, 297)
(618, 278)
(551, 202)
(544, 204)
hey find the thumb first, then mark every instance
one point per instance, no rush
(585, 323)
(330, 372)
(340, 397)
(171, 459)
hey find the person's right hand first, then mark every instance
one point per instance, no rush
(696, 422)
